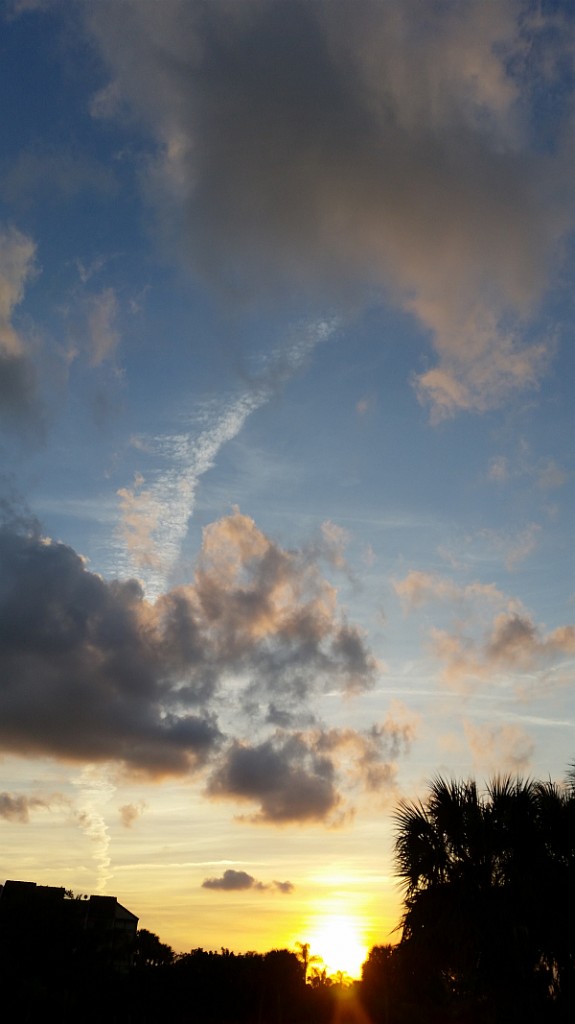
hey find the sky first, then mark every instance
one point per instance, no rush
(287, 422)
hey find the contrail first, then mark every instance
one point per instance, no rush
(95, 791)
(156, 514)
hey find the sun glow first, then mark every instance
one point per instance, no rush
(337, 939)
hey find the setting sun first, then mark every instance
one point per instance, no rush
(337, 939)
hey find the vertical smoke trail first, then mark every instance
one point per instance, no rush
(95, 791)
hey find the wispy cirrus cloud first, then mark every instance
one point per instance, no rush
(507, 547)
(103, 334)
(419, 588)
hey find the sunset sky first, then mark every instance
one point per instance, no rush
(287, 424)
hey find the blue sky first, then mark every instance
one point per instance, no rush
(286, 375)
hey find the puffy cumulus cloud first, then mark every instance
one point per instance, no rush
(303, 776)
(18, 386)
(234, 881)
(368, 757)
(284, 775)
(342, 147)
(270, 611)
(87, 673)
(92, 672)
(17, 808)
(513, 644)
(497, 748)
(129, 813)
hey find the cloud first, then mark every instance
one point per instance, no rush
(129, 813)
(334, 149)
(87, 673)
(302, 776)
(38, 175)
(17, 808)
(103, 336)
(512, 644)
(18, 385)
(550, 475)
(369, 756)
(234, 881)
(493, 633)
(271, 610)
(517, 547)
(498, 469)
(95, 790)
(155, 518)
(284, 775)
(503, 547)
(499, 748)
(419, 588)
(547, 474)
(94, 673)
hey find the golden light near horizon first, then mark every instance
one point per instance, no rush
(338, 940)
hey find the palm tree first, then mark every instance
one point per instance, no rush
(484, 876)
(305, 958)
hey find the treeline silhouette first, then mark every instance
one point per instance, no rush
(487, 936)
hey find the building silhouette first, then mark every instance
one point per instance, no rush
(48, 922)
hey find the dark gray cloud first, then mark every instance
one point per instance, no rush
(316, 775)
(345, 147)
(284, 775)
(19, 400)
(85, 671)
(91, 671)
(234, 881)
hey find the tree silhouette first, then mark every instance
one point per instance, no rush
(150, 951)
(485, 878)
(306, 958)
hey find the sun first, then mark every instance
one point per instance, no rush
(337, 939)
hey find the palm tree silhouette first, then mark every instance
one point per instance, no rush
(485, 876)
